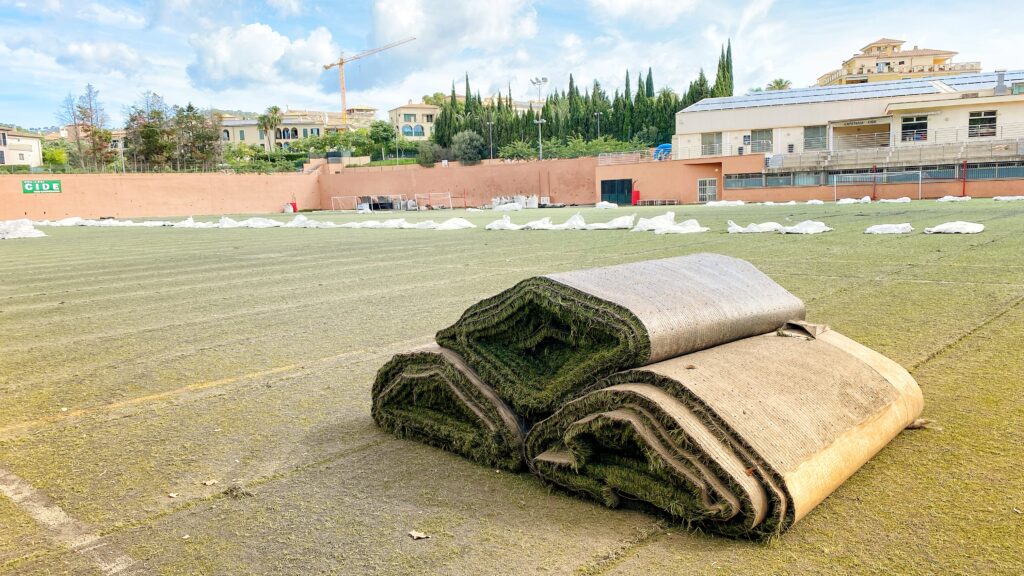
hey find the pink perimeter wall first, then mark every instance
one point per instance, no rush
(142, 195)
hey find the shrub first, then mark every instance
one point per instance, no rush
(517, 150)
(427, 154)
(468, 147)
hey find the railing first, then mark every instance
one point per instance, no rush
(893, 175)
(634, 157)
(919, 69)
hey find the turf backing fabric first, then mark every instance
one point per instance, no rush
(431, 395)
(743, 439)
(544, 340)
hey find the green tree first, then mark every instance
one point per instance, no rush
(197, 138)
(149, 136)
(269, 122)
(382, 135)
(468, 147)
(779, 84)
(427, 153)
(55, 153)
(437, 98)
(92, 129)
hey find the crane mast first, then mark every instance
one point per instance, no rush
(342, 60)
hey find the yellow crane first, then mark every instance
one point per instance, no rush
(342, 60)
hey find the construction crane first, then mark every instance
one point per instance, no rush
(342, 60)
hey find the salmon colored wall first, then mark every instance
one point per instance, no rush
(565, 181)
(677, 179)
(138, 195)
(976, 189)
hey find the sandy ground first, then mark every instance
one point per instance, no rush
(139, 363)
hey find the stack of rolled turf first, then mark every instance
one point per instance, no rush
(690, 385)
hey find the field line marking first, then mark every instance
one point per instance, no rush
(967, 334)
(65, 530)
(13, 430)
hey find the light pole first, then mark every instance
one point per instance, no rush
(490, 136)
(540, 136)
(539, 83)
(598, 116)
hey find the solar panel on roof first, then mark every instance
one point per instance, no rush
(912, 87)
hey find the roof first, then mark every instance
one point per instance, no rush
(892, 89)
(916, 52)
(883, 41)
(420, 105)
(14, 132)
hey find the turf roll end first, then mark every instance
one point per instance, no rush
(741, 440)
(431, 395)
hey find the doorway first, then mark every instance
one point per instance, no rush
(617, 191)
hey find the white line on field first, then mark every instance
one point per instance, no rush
(75, 534)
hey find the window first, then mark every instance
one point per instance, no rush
(981, 124)
(225, 135)
(314, 131)
(406, 130)
(305, 132)
(711, 144)
(915, 129)
(3, 138)
(761, 140)
(277, 134)
(408, 117)
(417, 130)
(815, 138)
(263, 134)
(241, 135)
(21, 155)
(429, 118)
(707, 189)
(2, 160)
(295, 133)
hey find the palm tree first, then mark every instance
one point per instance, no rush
(269, 122)
(779, 84)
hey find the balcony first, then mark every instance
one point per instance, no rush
(949, 68)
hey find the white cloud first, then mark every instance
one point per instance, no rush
(648, 13)
(459, 25)
(257, 55)
(286, 7)
(102, 57)
(121, 17)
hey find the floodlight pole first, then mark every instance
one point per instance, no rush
(490, 136)
(540, 136)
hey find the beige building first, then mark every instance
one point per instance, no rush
(295, 125)
(414, 121)
(904, 122)
(20, 148)
(885, 59)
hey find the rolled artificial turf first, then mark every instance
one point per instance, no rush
(431, 395)
(743, 439)
(541, 342)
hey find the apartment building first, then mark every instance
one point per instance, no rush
(414, 121)
(885, 59)
(295, 125)
(20, 148)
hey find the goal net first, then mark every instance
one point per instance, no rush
(434, 200)
(379, 202)
(867, 184)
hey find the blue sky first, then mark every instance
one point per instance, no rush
(250, 54)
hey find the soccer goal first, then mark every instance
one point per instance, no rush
(875, 179)
(376, 203)
(434, 200)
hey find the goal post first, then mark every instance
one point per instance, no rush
(374, 203)
(874, 179)
(434, 200)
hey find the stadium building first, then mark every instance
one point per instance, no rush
(935, 129)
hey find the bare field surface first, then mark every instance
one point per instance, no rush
(137, 364)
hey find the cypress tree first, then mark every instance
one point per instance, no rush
(650, 83)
